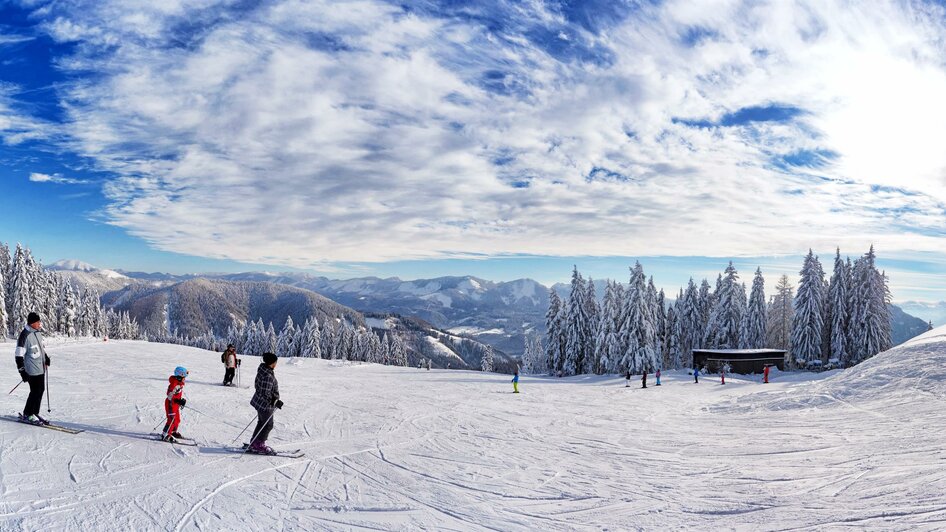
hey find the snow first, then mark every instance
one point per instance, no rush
(444, 300)
(440, 348)
(454, 450)
(376, 323)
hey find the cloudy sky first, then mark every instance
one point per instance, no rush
(504, 139)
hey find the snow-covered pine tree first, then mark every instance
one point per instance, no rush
(398, 352)
(386, 349)
(660, 327)
(271, 338)
(6, 270)
(838, 291)
(690, 322)
(554, 346)
(285, 341)
(533, 358)
(637, 328)
(21, 291)
(67, 312)
(592, 312)
(604, 331)
(807, 324)
(671, 339)
(487, 362)
(329, 340)
(311, 344)
(722, 330)
(577, 326)
(3, 303)
(752, 332)
(705, 301)
(781, 310)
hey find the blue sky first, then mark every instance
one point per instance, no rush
(499, 139)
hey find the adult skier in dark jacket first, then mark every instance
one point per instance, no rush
(31, 362)
(265, 401)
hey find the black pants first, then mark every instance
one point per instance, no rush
(228, 376)
(264, 425)
(35, 400)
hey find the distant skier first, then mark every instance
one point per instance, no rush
(696, 375)
(430, 364)
(627, 379)
(644, 380)
(765, 374)
(265, 401)
(657, 376)
(173, 403)
(231, 362)
(722, 375)
(31, 362)
(515, 381)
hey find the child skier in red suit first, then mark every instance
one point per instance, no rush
(173, 403)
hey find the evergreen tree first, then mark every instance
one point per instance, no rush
(722, 330)
(672, 355)
(752, 332)
(706, 301)
(660, 327)
(807, 322)
(6, 270)
(487, 363)
(592, 312)
(21, 292)
(606, 344)
(554, 334)
(577, 327)
(271, 339)
(838, 295)
(285, 342)
(690, 321)
(781, 312)
(533, 359)
(3, 303)
(67, 313)
(638, 329)
(311, 343)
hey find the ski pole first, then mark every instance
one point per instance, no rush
(211, 417)
(256, 433)
(48, 408)
(15, 387)
(244, 429)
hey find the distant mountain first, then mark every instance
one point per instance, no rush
(84, 275)
(196, 306)
(904, 326)
(934, 312)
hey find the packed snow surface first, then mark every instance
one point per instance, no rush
(405, 449)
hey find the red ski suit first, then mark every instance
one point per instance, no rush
(171, 408)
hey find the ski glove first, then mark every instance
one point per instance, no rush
(47, 360)
(278, 404)
(181, 401)
(23, 374)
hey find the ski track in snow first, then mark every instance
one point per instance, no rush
(404, 449)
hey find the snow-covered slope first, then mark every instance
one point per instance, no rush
(84, 275)
(404, 449)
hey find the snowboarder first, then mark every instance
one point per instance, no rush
(173, 403)
(627, 379)
(31, 362)
(696, 375)
(657, 375)
(644, 380)
(515, 381)
(265, 401)
(765, 374)
(231, 362)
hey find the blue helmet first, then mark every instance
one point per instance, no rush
(180, 371)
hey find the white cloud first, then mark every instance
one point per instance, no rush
(37, 177)
(305, 133)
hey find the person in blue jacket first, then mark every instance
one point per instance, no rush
(696, 375)
(515, 382)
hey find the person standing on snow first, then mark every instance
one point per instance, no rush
(231, 361)
(696, 375)
(644, 380)
(173, 403)
(627, 379)
(265, 401)
(657, 375)
(515, 381)
(765, 374)
(722, 375)
(31, 362)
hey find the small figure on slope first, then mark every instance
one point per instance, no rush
(173, 403)
(657, 376)
(515, 381)
(696, 375)
(265, 401)
(644, 380)
(31, 362)
(722, 375)
(430, 364)
(231, 362)
(765, 374)
(627, 379)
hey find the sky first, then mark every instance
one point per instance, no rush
(492, 138)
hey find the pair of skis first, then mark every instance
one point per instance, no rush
(50, 426)
(297, 453)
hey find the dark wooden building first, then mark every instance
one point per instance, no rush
(742, 361)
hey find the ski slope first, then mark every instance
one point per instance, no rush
(407, 449)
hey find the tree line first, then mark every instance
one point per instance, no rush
(842, 320)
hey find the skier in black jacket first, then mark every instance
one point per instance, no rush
(265, 401)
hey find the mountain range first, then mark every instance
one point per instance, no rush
(500, 314)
